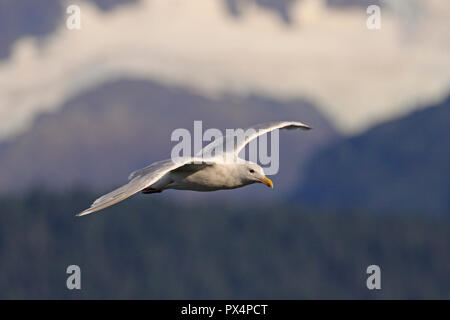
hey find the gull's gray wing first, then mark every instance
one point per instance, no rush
(139, 180)
(238, 142)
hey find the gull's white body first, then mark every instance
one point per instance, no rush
(197, 174)
(216, 176)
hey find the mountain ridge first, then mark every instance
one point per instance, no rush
(402, 164)
(97, 138)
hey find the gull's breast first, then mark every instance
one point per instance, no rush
(210, 178)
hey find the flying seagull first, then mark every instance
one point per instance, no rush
(201, 173)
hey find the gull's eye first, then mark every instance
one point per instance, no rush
(252, 171)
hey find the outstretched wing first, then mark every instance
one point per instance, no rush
(139, 180)
(235, 143)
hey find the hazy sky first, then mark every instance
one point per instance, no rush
(357, 77)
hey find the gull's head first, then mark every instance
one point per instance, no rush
(252, 173)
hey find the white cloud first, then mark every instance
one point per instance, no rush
(356, 76)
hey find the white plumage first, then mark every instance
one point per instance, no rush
(202, 173)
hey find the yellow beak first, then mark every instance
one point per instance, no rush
(267, 182)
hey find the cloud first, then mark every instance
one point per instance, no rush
(357, 77)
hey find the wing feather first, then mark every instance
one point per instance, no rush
(254, 132)
(140, 180)
(264, 128)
